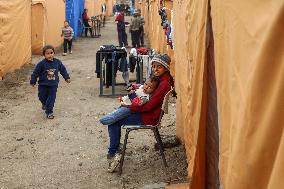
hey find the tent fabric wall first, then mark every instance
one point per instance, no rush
(250, 74)
(94, 7)
(189, 37)
(55, 13)
(38, 26)
(90, 5)
(109, 7)
(249, 64)
(74, 11)
(15, 35)
(153, 29)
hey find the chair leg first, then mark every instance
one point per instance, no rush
(123, 152)
(160, 144)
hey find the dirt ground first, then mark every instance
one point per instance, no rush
(70, 151)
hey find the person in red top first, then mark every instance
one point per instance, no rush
(122, 36)
(86, 19)
(147, 114)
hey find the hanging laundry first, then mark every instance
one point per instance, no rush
(132, 59)
(169, 36)
(142, 50)
(112, 56)
(172, 29)
(163, 14)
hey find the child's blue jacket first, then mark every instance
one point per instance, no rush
(47, 72)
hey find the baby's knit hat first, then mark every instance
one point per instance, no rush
(163, 59)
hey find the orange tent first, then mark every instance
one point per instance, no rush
(15, 35)
(39, 25)
(47, 21)
(95, 7)
(229, 58)
(55, 16)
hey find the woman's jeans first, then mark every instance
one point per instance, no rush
(114, 131)
(119, 114)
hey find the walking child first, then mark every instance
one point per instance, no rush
(137, 95)
(67, 33)
(46, 74)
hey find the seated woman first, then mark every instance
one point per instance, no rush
(147, 114)
(86, 20)
(137, 95)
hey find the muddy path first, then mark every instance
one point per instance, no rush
(70, 151)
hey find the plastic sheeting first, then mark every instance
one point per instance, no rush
(74, 11)
(15, 34)
(249, 63)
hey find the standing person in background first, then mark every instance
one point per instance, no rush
(86, 20)
(103, 14)
(67, 33)
(122, 36)
(134, 30)
(114, 10)
(141, 29)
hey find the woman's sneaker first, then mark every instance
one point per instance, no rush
(113, 162)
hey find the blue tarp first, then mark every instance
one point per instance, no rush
(74, 11)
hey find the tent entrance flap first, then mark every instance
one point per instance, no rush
(212, 127)
(38, 27)
(206, 169)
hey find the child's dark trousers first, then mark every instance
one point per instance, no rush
(47, 96)
(67, 43)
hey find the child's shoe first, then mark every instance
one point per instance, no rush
(49, 116)
(113, 162)
(64, 54)
(70, 52)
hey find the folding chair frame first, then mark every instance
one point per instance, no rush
(154, 128)
(84, 27)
